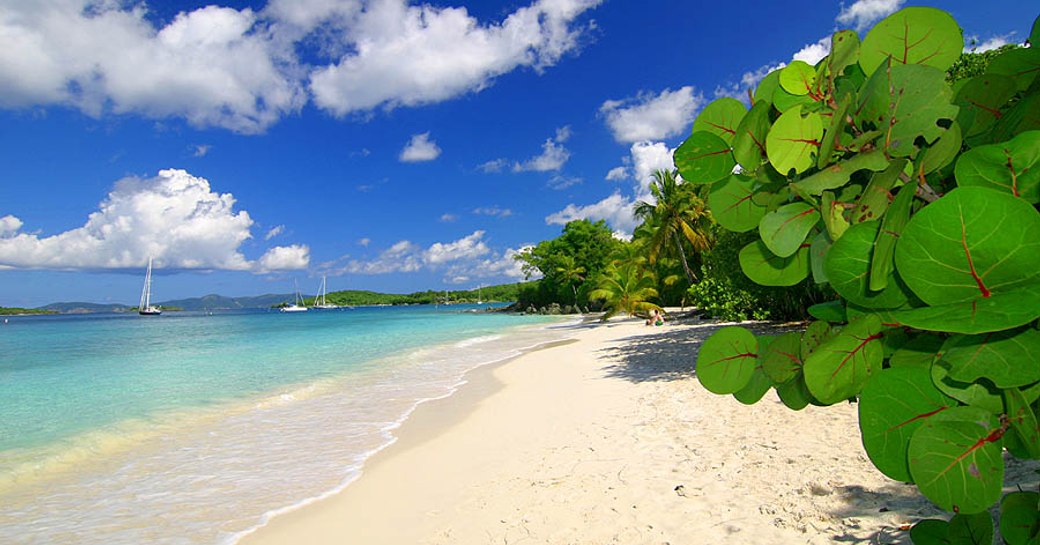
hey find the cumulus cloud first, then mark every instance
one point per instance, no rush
(9, 225)
(644, 159)
(972, 45)
(863, 13)
(617, 174)
(448, 218)
(554, 155)
(174, 217)
(240, 69)
(282, 258)
(420, 148)
(652, 117)
(814, 53)
(615, 209)
(401, 257)
(212, 67)
(403, 55)
(468, 247)
(406, 256)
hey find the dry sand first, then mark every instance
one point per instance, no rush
(609, 438)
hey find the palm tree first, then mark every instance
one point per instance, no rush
(570, 272)
(625, 288)
(678, 215)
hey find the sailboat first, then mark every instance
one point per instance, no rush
(297, 305)
(319, 300)
(480, 299)
(146, 308)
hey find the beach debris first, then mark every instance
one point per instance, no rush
(680, 490)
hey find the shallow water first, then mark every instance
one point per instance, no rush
(194, 428)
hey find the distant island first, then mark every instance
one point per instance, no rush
(499, 293)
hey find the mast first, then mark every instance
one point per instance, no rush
(146, 291)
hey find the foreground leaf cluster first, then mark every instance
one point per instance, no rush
(915, 200)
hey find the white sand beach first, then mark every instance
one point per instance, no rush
(609, 438)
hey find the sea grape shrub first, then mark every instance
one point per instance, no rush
(915, 200)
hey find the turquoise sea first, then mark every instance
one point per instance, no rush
(195, 428)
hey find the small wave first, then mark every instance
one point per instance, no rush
(477, 340)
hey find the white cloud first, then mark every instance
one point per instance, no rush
(814, 53)
(615, 209)
(212, 67)
(617, 174)
(201, 150)
(553, 155)
(652, 117)
(401, 55)
(493, 211)
(241, 69)
(420, 148)
(972, 44)
(401, 257)
(274, 231)
(468, 247)
(364, 242)
(174, 217)
(282, 258)
(560, 182)
(648, 157)
(9, 225)
(494, 165)
(864, 13)
(449, 218)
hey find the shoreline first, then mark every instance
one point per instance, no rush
(607, 437)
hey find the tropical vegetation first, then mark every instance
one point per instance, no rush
(906, 187)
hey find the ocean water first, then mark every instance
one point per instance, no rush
(192, 428)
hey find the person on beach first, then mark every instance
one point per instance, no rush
(655, 318)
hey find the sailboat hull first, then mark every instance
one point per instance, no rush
(149, 312)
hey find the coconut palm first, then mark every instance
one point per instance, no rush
(677, 215)
(570, 272)
(625, 288)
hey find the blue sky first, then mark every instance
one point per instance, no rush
(394, 146)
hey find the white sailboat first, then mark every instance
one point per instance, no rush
(146, 308)
(297, 305)
(319, 300)
(480, 299)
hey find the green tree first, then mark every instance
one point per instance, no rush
(570, 272)
(625, 288)
(678, 217)
(582, 244)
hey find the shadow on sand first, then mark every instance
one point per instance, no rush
(671, 353)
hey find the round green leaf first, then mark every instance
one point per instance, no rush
(721, 118)
(920, 351)
(1012, 167)
(915, 35)
(793, 140)
(814, 335)
(818, 250)
(980, 315)
(982, 394)
(795, 394)
(704, 158)
(980, 100)
(765, 268)
(848, 269)
(930, 532)
(756, 388)
(831, 311)
(767, 87)
(727, 360)
(838, 174)
(942, 152)
(972, 243)
(845, 46)
(781, 361)
(1006, 358)
(956, 461)
(1021, 65)
(732, 205)
(784, 101)
(785, 229)
(1019, 517)
(840, 367)
(907, 103)
(798, 78)
(891, 408)
(749, 145)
